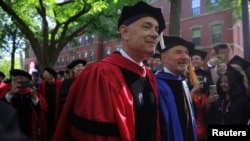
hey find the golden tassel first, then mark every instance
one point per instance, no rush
(192, 77)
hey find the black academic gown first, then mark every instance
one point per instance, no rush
(28, 113)
(228, 112)
(64, 92)
(9, 124)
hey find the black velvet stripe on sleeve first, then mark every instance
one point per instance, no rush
(94, 127)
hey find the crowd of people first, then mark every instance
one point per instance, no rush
(134, 94)
(37, 100)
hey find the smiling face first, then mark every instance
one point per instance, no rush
(176, 59)
(77, 69)
(140, 38)
(222, 68)
(224, 84)
(197, 61)
(156, 62)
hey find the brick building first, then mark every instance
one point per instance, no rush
(206, 29)
(198, 25)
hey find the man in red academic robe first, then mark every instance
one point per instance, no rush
(50, 88)
(105, 98)
(116, 98)
(28, 103)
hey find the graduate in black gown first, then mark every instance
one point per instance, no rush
(75, 68)
(231, 107)
(49, 88)
(9, 124)
(241, 65)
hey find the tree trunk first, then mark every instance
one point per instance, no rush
(175, 16)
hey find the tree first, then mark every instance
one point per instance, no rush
(11, 39)
(176, 8)
(175, 17)
(5, 64)
(233, 6)
(49, 26)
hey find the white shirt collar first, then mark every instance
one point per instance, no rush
(166, 70)
(124, 54)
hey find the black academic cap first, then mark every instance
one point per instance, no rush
(141, 9)
(19, 72)
(201, 72)
(2, 74)
(200, 53)
(145, 62)
(67, 71)
(76, 62)
(172, 41)
(156, 55)
(234, 74)
(51, 71)
(60, 73)
(239, 61)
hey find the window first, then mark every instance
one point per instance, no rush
(79, 55)
(67, 59)
(73, 56)
(196, 36)
(196, 7)
(80, 40)
(67, 47)
(117, 48)
(108, 51)
(91, 38)
(85, 55)
(58, 61)
(92, 55)
(214, 3)
(62, 60)
(86, 40)
(216, 33)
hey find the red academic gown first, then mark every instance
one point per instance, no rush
(43, 122)
(100, 93)
(5, 89)
(199, 115)
(2, 84)
(35, 115)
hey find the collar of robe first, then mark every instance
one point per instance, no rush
(123, 62)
